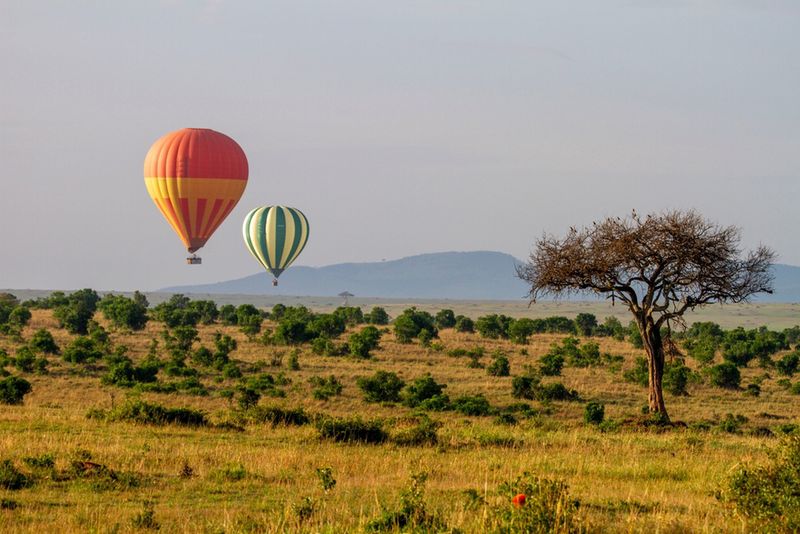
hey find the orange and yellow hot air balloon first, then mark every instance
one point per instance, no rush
(195, 176)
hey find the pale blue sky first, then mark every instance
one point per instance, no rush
(397, 127)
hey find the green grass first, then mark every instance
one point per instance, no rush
(246, 474)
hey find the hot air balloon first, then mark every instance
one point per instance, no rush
(195, 176)
(275, 236)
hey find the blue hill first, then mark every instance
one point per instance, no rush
(480, 275)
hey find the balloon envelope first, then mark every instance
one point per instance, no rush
(275, 236)
(195, 176)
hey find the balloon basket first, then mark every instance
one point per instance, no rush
(193, 260)
(274, 282)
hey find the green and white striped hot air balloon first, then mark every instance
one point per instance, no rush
(275, 236)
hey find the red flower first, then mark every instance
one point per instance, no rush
(519, 499)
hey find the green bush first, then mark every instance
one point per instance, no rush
(124, 312)
(639, 374)
(594, 413)
(124, 374)
(42, 341)
(675, 379)
(275, 415)
(494, 326)
(421, 390)
(500, 366)
(351, 430)
(725, 375)
(13, 390)
(411, 322)
(521, 329)
(325, 388)
(421, 434)
(464, 324)
(25, 359)
(383, 386)
(768, 496)
(551, 364)
(476, 405)
(585, 324)
(445, 319)
(788, 365)
(142, 412)
(12, 478)
(360, 344)
(377, 316)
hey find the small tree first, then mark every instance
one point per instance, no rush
(660, 267)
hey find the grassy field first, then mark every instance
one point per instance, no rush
(264, 478)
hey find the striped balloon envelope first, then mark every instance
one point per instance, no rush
(195, 176)
(275, 236)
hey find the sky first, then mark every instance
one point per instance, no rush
(398, 128)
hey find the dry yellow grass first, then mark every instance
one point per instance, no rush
(626, 481)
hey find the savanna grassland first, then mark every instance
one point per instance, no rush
(245, 469)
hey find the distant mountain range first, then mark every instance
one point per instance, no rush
(480, 275)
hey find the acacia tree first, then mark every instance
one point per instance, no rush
(660, 267)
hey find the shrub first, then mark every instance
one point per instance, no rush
(525, 386)
(42, 341)
(476, 405)
(725, 375)
(521, 329)
(676, 376)
(139, 411)
(788, 365)
(587, 355)
(275, 415)
(732, 424)
(585, 324)
(351, 430)
(493, 326)
(25, 359)
(325, 388)
(557, 391)
(420, 390)
(547, 507)
(530, 386)
(383, 386)
(551, 364)
(293, 363)
(177, 311)
(499, 366)
(13, 390)
(124, 374)
(594, 413)
(768, 496)
(377, 316)
(421, 434)
(639, 374)
(412, 514)
(445, 319)
(360, 344)
(464, 324)
(124, 312)
(227, 314)
(437, 403)
(753, 390)
(12, 478)
(411, 322)
(329, 325)
(247, 397)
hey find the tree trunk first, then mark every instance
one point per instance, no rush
(654, 346)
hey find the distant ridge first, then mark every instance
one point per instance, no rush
(479, 275)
